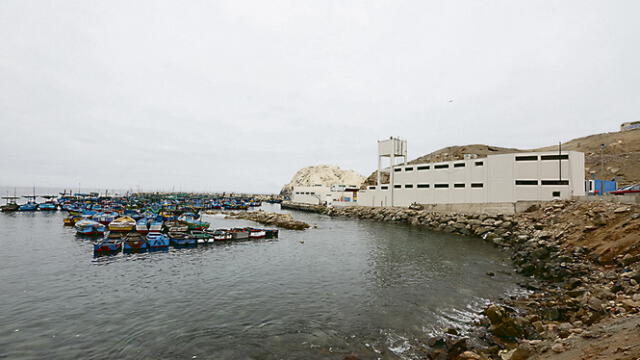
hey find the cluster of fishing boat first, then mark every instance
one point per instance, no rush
(147, 233)
(144, 222)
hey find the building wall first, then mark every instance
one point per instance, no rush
(317, 195)
(504, 178)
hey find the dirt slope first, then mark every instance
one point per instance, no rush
(621, 155)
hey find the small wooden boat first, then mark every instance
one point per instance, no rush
(156, 224)
(156, 240)
(142, 226)
(30, 206)
(71, 220)
(47, 206)
(89, 228)
(110, 244)
(220, 235)
(176, 226)
(182, 239)
(271, 233)
(256, 233)
(134, 241)
(10, 205)
(105, 218)
(123, 224)
(202, 237)
(239, 234)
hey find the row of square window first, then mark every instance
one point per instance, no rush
(305, 193)
(481, 163)
(474, 185)
(441, 166)
(427, 186)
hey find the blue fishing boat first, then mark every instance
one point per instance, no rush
(134, 242)
(142, 226)
(156, 241)
(90, 228)
(47, 206)
(30, 206)
(156, 224)
(179, 239)
(110, 244)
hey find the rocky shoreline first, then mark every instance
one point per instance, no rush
(285, 221)
(583, 262)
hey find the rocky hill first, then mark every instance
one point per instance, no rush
(621, 155)
(322, 175)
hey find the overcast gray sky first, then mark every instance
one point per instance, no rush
(238, 95)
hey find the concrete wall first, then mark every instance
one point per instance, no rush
(505, 178)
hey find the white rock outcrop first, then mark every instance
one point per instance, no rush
(326, 175)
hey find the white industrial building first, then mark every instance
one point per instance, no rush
(335, 195)
(505, 178)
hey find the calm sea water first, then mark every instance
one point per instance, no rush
(348, 286)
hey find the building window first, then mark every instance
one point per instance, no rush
(555, 194)
(425, 167)
(397, 169)
(384, 187)
(555, 182)
(442, 166)
(441, 186)
(372, 187)
(554, 157)
(477, 185)
(458, 165)
(408, 169)
(479, 163)
(423, 186)
(458, 185)
(397, 186)
(527, 158)
(408, 186)
(526, 182)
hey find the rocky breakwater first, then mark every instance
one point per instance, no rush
(583, 262)
(285, 221)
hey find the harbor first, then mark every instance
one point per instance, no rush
(356, 287)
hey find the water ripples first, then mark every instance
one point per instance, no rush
(353, 286)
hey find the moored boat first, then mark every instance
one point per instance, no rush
(156, 224)
(30, 206)
(220, 235)
(182, 239)
(156, 241)
(10, 205)
(71, 220)
(123, 224)
(202, 237)
(239, 234)
(176, 226)
(47, 206)
(110, 244)
(89, 228)
(134, 241)
(256, 233)
(142, 226)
